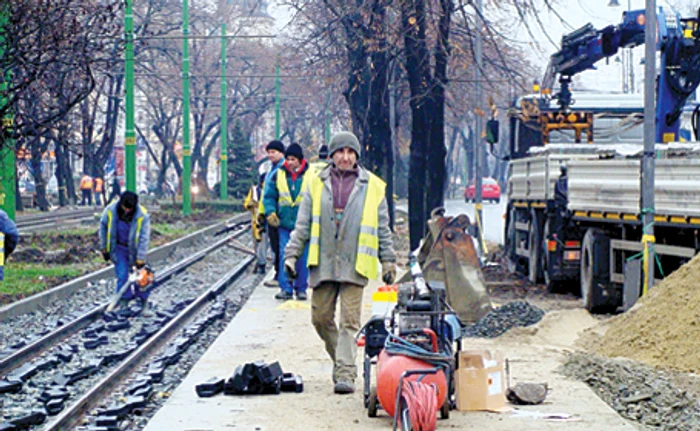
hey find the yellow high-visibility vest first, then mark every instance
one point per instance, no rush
(367, 259)
(139, 224)
(285, 196)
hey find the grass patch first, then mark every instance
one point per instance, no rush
(169, 230)
(60, 239)
(24, 279)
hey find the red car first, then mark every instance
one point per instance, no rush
(490, 191)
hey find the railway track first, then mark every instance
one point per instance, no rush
(57, 220)
(68, 369)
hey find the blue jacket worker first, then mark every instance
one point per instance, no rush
(125, 230)
(281, 200)
(9, 237)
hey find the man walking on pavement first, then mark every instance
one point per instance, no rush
(345, 220)
(125, 230)
(9, 237)
(282, 199)
(86, 189)
(275, 153)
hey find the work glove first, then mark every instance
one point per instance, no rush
(273, 220)
(140, 264)
(290, 267)
(388, 272)
(105, 255)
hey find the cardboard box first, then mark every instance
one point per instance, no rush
(479, 381)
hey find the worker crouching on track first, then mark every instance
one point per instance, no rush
(282, 199)
(125, 230)
(345, 219)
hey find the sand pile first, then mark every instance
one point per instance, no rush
(663, 328)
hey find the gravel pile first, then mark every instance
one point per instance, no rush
(502, 319)
(637, 392)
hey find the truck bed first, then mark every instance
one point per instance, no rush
(610, 184)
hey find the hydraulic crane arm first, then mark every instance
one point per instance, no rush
(583, 48)
(679, 77)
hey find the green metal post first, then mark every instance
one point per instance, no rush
(277, 99)
(186, 151)
(7, 147)
(223, 185)
(130, 134)
(328, 117)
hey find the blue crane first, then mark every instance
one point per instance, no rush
(678, 41)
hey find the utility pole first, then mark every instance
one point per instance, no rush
(186, 151)
(7, 147)
(129, 134)
(223, 184)
(478, 144)
(647, 165)
(277, 97)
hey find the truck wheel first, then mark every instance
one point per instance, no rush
(535, 249)
(595, 271)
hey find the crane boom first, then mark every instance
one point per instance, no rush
(678, 41)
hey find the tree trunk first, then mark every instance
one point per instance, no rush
(61, 162)
(419, 79)
(436, 153)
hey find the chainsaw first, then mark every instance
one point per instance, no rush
(139, 285)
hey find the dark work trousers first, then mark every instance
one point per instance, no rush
(87, 197)
(274, 235)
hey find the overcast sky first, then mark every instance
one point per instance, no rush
(576, 13)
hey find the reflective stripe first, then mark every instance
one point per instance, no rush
(2, 249)
(369, 230)
(368, 251)
(110, 215)
(285, 196)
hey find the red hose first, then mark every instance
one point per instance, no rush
(421, 402)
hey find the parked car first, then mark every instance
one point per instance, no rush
(490, 191)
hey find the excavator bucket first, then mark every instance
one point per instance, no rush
(447, 255)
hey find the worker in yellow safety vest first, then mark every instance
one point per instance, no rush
(125, 231)
(281, 201)
(344, 218)
(251, 203)
(322, 161)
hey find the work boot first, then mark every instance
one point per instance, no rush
(344, 387)
(260, 269)
(272, 283)
(284, 296)
(301, 296)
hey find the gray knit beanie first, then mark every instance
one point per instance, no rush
(344, 140)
